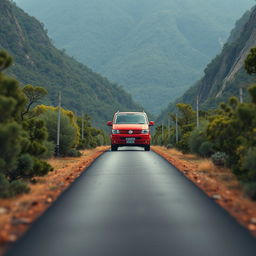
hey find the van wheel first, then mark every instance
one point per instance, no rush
(147, 148)
(114, 148)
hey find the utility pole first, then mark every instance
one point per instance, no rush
(57, 151)
(197, 112)
(241, 95)
(82, 132)
(162, 133)
(169, 132)
(177, 130)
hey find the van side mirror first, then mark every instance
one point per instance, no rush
(151, 123)
(109, 123)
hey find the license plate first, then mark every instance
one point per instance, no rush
(130, 140)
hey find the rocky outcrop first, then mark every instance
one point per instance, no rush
(223, 72)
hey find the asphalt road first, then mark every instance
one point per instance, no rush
(134, 203)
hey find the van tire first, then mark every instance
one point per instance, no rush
(147, 148)
(114, 148)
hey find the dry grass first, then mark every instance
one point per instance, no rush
(174, 151)
(191, 157)
(221, 174)
(207, 166)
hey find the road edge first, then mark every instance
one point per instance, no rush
(20, 220)
(242, 215)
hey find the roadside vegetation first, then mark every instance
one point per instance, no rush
(227, 134)
(28, 133)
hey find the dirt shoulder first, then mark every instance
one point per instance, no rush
(17, 214)
(218, 183)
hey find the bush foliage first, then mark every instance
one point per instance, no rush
(219, 158)
(227, 135)
(28, 133)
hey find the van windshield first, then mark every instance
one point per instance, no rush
(130, 119)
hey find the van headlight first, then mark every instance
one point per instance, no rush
(145, 131)
(115, 131)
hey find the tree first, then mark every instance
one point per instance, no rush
(232, 131)
(186, 122)
(69, 132)
(92, 137)
(36, 134)
(198, 141)
(12, 102)
(250, 62)
(5, 60)
(33, 94)
(187, 116)
(20, 140)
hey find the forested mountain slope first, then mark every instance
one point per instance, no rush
(225, 74)
(38, 62)
(155, 48)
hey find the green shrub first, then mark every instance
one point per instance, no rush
(183, 143)
(249, 161)
(250, 190)
(25, 163)
(10, 141)
(4, 186)
(198, 141)
(73, 153)
(12, 102)
(206, 149)
(24, 168)
(50, 150)
(169, 146)
(37, 134)
(100, 139)
(159, 140)
(29, 167)
(18, 187)
(41, 168)
(88, 142)
(68, 133)
(21, 138)
(12, 189)
(195, 141)
(219, 158)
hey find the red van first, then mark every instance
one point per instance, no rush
(130, 129)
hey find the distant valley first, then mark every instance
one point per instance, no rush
(156, 49)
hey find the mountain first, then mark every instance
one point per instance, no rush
(38, 62)
(155, 48)
(225, 74)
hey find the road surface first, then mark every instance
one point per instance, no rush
(134, 203)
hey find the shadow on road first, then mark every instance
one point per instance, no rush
(130, 149)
